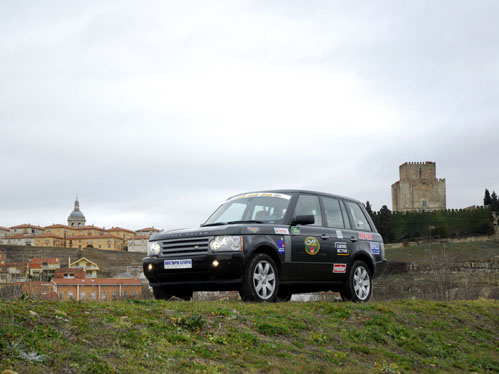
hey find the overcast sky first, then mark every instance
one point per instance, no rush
(154, 112)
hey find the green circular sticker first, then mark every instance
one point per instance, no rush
(312, 245)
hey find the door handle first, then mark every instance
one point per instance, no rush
(353, 239)
(324, 236)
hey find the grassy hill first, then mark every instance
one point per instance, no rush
(152, 336)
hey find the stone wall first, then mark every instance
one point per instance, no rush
(111, 263)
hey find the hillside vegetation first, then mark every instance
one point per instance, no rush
(152, 336)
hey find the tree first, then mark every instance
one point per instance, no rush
(494, 202)
(487, 200)
(369, 209)
(385, 224)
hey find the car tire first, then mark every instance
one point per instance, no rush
(261, 279)
(161, 293)
(359, 285)
(283, 295)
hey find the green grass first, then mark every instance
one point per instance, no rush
(461, 252)
(233, 337)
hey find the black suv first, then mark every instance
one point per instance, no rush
(269, 245)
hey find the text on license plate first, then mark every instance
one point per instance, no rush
(178, 264)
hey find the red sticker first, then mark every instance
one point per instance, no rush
(365, 236)
(340, 268)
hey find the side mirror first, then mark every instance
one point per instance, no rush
(303, 220)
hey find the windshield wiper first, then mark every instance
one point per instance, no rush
(245, 221)
(214, 224)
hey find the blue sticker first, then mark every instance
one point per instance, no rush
(374, 248)
(281, 246)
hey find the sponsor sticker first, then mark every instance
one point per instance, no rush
(178, 264)
(339, 234)
(365, 236)
(254, 230)
(281, 246)
(374, 248)
(341, 249)
(312, 245)
(295, 230)
(340, 268)
(281, 230)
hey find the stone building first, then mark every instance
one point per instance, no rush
(76, 218)
(418, 188)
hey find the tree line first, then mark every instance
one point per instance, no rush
(397, 226)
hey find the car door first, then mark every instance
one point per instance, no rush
(311, 247)
(342, 238)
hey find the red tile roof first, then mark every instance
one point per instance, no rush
(141, 237)
(147, 229)
(92, 227)
(103, 236)
(58, 226)
(98, 281)
(120, 229)
(4, 228)
(28, 226)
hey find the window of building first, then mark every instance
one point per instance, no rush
(83, 295)
(70, 295)
(115, 295)
(103, 296)
(93, 295)
(60, 295)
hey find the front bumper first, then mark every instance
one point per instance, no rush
(203, 276)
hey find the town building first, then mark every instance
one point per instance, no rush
(148, 231)
(4, 231)
(105, 242)
(17, 239)
(26, 230)
(138, 244)
(76, 217)
(69, 273)
(418, 189)
(48, 240)
(13, 272)
(90, 268)
(39, 290)
(97, 289)
(43, 268)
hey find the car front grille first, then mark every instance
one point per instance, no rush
(185, 245)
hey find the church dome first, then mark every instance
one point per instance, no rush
(76, 217)
(76, 214)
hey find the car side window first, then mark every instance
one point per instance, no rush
(359, 219)
(309, 205)
(334, 217)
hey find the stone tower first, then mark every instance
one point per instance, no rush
(76, 218)
(418, 189)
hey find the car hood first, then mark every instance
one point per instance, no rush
(234, 229)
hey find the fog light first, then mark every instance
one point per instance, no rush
(149, 267)
(215, 263)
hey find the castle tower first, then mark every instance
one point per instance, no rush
(76, 218)
(418, 188)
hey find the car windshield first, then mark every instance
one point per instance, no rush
(251, 208)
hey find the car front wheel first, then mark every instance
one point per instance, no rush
(359, 285)
(261, 279)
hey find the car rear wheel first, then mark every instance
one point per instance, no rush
(261, 279)
(359, 285)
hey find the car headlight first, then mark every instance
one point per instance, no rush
(153, 248)
(227, 243)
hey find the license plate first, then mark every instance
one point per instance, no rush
(178, 264)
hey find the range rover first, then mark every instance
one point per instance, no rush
(269, 245)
